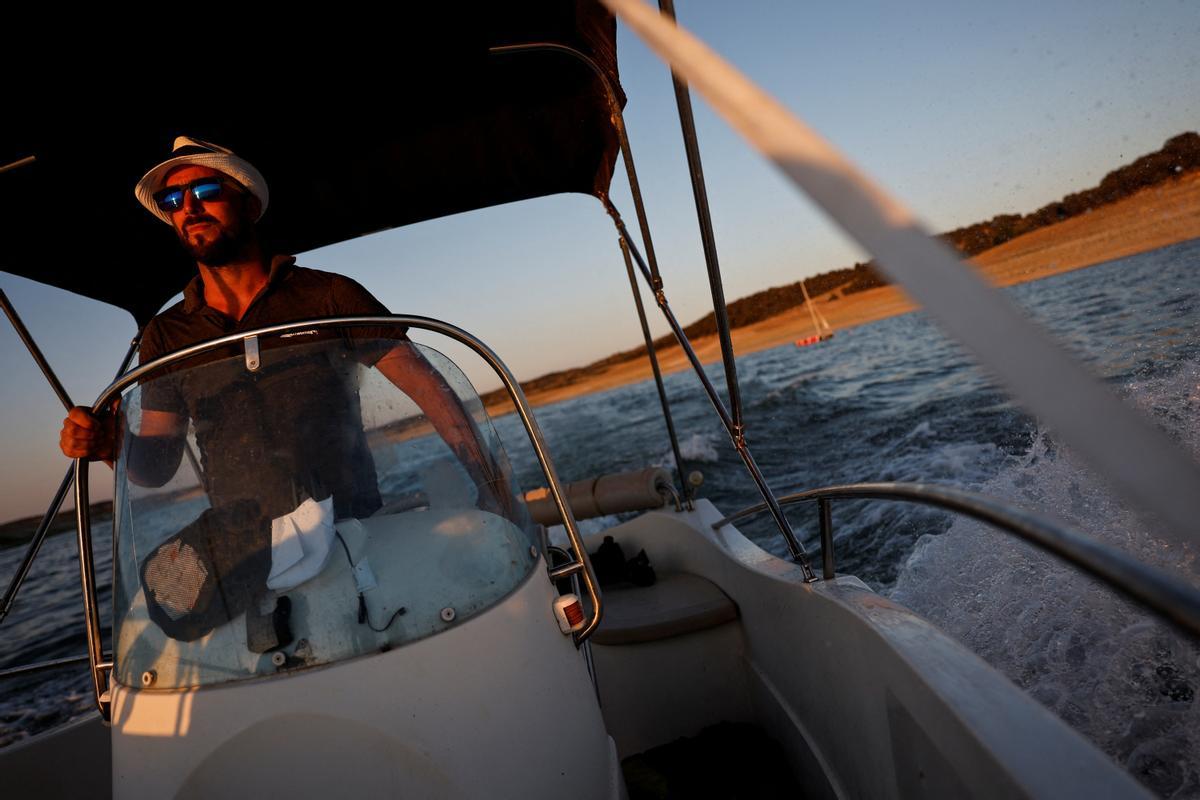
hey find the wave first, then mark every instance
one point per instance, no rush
(697, 448)
(1121, 677)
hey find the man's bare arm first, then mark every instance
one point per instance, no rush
(408, 369)
(155, 451)
(161, 423)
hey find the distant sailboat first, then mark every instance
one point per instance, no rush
(821, 329)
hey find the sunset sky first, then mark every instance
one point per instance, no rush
(961, 110)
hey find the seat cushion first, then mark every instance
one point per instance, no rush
(676, 604)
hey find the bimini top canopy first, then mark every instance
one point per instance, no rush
(406, 123)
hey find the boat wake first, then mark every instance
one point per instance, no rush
(698, 448)
(1124, 679)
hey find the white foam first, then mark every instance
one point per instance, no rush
(1117, 674)
(698, 448)
(923, 430)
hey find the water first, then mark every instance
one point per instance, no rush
(893, 400)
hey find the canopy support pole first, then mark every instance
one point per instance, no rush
(688, 489)
(43, 528)
(691, 145)
(34, 350)
(655, 279)
(20, 162)
(795, 548)
(649, 268)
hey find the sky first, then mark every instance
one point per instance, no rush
(962, 110)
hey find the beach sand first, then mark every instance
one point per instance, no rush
(1153, 218)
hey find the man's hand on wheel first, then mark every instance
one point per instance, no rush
(84, 435)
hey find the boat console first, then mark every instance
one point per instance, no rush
(307, 574)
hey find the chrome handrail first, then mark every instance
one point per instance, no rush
(1155, 589)
(553, 550)
(43, 666)
(581, 565)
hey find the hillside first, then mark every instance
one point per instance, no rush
(1177, 160)
(19, 531)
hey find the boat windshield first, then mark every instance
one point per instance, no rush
(337, 493)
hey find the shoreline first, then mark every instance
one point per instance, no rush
(1154, 217)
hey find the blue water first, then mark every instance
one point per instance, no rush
(893, 400)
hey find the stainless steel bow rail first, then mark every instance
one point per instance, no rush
(1155, 589)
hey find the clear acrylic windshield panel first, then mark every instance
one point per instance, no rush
(347, 496)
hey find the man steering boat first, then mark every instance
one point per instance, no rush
(304, 397)
(213, 200)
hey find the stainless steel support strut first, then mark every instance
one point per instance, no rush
(43, 528)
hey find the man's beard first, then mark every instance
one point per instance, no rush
(220, 249)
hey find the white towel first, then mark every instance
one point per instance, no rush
(301, 542)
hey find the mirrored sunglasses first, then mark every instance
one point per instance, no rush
(171, 199)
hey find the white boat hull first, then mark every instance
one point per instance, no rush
(866, 699)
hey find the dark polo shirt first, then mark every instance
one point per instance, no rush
(292, 293)
(292, 429)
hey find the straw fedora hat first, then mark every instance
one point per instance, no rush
(204, 154)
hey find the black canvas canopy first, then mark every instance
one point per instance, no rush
(357, 129)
